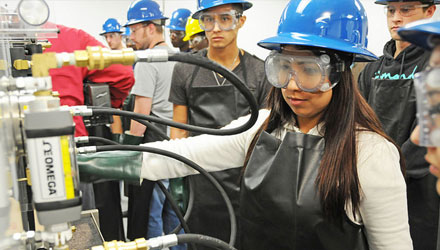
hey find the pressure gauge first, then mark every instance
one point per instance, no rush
(33, 12)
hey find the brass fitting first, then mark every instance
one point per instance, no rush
(45, 45)
(81, 58)
(21, 64)
(100, 58)
(43, 93)
(138, 244)
(28, 176)
(41, 63)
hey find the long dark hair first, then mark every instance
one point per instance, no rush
(347, 114)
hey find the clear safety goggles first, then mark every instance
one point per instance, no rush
(177, 34)
(195, 40)
(310, 72)
(427, 86)
(226, 20)
(404, 10)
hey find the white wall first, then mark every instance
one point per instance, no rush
(262, 18)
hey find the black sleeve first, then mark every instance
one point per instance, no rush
(416, 165)
(364, 83)
(178, 83)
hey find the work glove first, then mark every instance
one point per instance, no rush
(110, 165)
(117, 138)
(179, 191)
(132, 139)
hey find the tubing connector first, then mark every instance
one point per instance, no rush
(87, 150)
(138, 244)
(80, 111)
(162, 241)
(81, 139)
(100, 58)
(152, 55)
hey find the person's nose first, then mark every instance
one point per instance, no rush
(293, 85)
(397, 17)
(216, 27)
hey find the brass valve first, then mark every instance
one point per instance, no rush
(41, 63)
(138, 244)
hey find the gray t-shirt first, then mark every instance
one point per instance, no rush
(154, 80)
(251, 65)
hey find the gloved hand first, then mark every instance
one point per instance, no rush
(111, 165)
(179, 191)
(117, 138)
(131, 139)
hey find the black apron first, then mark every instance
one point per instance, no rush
(139, 197)
(214, 107)
(394, 102)
(279, 204)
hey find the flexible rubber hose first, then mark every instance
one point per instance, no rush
(102, 140)
(203, 240)
(176, 209)
(202, 130)
(191, 164)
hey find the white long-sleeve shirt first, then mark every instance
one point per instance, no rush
(383, 205)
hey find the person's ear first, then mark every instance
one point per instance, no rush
(430, 11)
(151, 28)
(241, 21)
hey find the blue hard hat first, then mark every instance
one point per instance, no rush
(385, 2)
(178, 19)
(423, 33)
(127, 31)
(324, 24)
(111, 25)
(142, 11)
(206, 4)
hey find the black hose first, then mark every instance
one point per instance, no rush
(150, 126)
(229, 75)
(191, 164)
(153, 128)
(176, 209)
(102, 140)
(212, 131)
(173, 204)
(203, 240)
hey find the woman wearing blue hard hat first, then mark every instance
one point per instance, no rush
(319, 171)
(177, 29)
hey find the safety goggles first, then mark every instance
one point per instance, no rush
(226, 20)
(195, 40)
(133, 30)
(310, 72)
(404, 10)
(177, 34)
